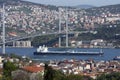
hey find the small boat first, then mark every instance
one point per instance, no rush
(42, 50)
(116, 58)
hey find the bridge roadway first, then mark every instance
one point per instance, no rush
(7, 40)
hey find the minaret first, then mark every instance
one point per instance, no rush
(3, 51)
(59, 27)
(66, 28)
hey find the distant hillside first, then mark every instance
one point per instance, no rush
(114, 9)
(89, 8)
(16, 2)
(84, 6)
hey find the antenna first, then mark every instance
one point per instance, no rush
(3, 51)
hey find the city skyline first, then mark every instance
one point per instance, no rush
(76, 2)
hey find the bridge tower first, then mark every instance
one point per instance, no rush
(59, 27)
(66, 20)
(66, 28)
(3, 30)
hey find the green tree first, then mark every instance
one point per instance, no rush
(77, 77)
(48, 73)
(51, 74)
(58, 75)
(8, 67)
(112, 76)
(74, 77)
(39, 77)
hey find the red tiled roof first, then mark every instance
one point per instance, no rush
(33, 69)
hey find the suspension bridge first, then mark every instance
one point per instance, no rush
(5, 39)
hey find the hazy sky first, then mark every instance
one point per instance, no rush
(77, 2)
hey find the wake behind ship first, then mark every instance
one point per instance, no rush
(42, 50)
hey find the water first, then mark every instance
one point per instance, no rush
(109, 54)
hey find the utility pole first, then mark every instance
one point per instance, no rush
(3, 51)
(59, 27)
(66, 28)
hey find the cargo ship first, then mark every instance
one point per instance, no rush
(42, 50)
(116, 58)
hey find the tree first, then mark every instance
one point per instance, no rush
(78, 77)
(48, 73)
(112, 76)
(39, 77)
(8, 67)
(51, 74)
(74, 77)
(20, 75)
(58, 75)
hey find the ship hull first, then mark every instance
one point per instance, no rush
(65, 53)
(116, 59)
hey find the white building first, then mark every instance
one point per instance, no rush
(22, 44)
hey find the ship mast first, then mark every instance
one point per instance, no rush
(3, 35)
